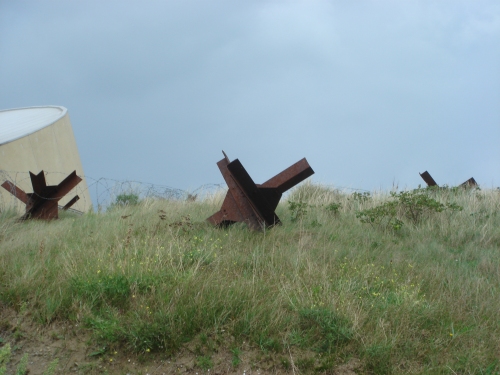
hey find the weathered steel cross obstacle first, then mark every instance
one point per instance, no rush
(430, 181)
(43, 203)
(251, 203)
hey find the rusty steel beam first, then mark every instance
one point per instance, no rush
(251, 203)
(15, 191)
(260, 202)
(235, 207)
(66, 185)
(428, 179)
(38, 182)
(71, 203)
(43, 202)
(470, 183)
(290, 177)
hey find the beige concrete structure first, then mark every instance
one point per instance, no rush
(34, 139)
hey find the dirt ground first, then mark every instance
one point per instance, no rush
(73, 347)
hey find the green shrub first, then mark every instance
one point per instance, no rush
(130, 199)
(361, 197)
(297, 209)
(333, 207)
(384, 215)
(405, 207)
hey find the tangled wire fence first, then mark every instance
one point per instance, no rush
(104, 191)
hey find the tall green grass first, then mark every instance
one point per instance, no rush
(156, 276)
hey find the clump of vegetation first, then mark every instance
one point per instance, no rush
(361, 197)
(405, 206)
(157, 278)
(327, 328)
(126, 199)
(4, 358)
(298, 210)
(204, 362)
(333, 207)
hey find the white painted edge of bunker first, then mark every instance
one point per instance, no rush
(18, 123)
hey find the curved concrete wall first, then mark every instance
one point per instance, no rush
(48, 144)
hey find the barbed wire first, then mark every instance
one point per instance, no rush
(344, 188)
(104, 192)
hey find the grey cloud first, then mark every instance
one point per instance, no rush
(370, 93)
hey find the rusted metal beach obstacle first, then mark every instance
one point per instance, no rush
(43, 203)
(470, 183)
(428, 179)
(251, 203)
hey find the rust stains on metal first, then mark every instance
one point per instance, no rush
(73, 200)
(251, 203)
(15, 191)
(43, 202)
(428, 179)
(470, 183)
(290, 176)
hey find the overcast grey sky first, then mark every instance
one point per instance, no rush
(370, 92)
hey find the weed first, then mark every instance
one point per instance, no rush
(416, 203)
(361, 197)
(298, 338)
(99, 352)
(378, 359)
(18, 334)
(235, 359)
(285, 362)
(107, 329)
(305, 364)
(297, 209)
(51, 369)
(315, 224)
(412, 206)
(269, 344)
(129, 199)
(101, 289)
(492, 369)
(22, 368)
(4, 358)
(204, 338)
(191, 197)
(329, 329)
(204, 362)
(384, 215)
(333, 208)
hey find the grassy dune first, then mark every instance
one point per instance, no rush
(316, 292)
